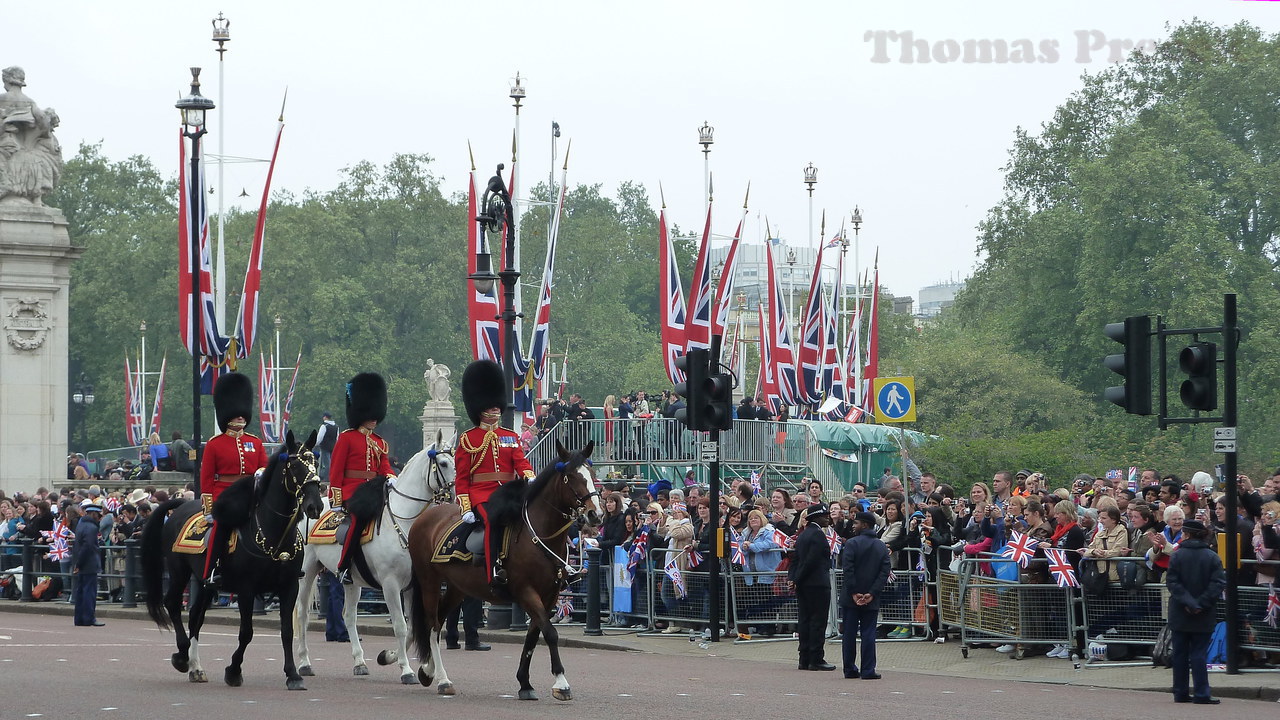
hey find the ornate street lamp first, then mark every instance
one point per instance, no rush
(194, 107)
(706, 139)
(497, 215)
(82, 396)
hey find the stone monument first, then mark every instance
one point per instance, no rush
(437, 414)
(35, 278)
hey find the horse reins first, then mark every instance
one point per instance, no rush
(440, 495)
(565, 567)
(278, 554)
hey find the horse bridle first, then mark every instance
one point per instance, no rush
(442, 494)
(570, 518)
(278, 554)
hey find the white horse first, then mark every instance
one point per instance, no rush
(427, 478)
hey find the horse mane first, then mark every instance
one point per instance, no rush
(508, 500)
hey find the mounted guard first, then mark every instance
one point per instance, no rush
(228, 457)
(360, 461)
(488, 455)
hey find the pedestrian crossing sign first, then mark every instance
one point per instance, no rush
(895, 399)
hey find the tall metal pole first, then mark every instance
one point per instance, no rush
(221, 35)
(1229, 338)
(713, 497)
(517, 96)
(193, 226)
(142, 381)
(706, 137)
(276, 375)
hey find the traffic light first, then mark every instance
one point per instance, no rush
(1200, 362)
(718, 414)
(1134, 364)
(696, 365)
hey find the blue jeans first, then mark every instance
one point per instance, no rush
(860, 624)
(1191, 653)
(86, 598)
(334, 599)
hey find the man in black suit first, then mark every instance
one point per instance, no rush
(810, 577)
(472, 610)
(1195, 581)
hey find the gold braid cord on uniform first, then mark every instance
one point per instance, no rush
(490, 442)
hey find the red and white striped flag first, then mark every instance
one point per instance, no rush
(1273, 606)
(873, 343)
(247, 323)
(766, 383)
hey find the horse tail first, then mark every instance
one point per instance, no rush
(422, 626)
(153, 562)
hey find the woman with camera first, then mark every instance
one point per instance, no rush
(893, 533)
(930, 534)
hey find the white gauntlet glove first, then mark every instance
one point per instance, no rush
(468, 517)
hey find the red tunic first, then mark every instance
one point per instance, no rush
(227, 458)
(475, 455)
(359, 453)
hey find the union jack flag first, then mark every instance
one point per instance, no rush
(638, 549)
(724, 292)
(672, 331)
(286, 410)
(755, 481)
(482, 308)
(672, 569)
(112, 504)
(59, 550)
(812, 342)
(695, 557)
(1020, 548)
(737, 555)
(158, 406)
(782, 539)
(1273, 606)
(834, 541)
(698, 327)
(133, 422)
(779, 339)
(892, 578)
(267, 398)
(1060, 568)
(564, 606)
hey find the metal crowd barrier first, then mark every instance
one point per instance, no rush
(991, 610)
(901, 599)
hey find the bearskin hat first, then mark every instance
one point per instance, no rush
(232, 398)
(366, 399)
(482, 384)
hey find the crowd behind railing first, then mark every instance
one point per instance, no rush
(955, 575)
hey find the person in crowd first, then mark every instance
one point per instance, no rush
(613, 530)
(809, 576)
(1067, 535)
(159, 453)
(624, 435)
(781, 512)
(1001, 488)
(814, 489)
(1195, 582)
(677, 530)
(11, 554)
(1111, 540)
(40, 519)
(326, 440)
(865, 564)
(86, 563)
(610, 413)
(1165, 543)
(472, 613)
(930, 534)
(736, 520)
(763, 555)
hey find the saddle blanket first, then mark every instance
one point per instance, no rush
(332, 527)
(194, 533)
(462, 541)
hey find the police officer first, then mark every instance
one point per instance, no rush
(228, 457)
(810, 576)
(1195, 581)
(360, 454)
(488, 455)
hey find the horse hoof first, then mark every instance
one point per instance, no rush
(406, 679)
(233, 678)
(360, 670)
(179, 663)
(528, 695)
(294, 684)
(388, 657)
(306, 671)
(446, 689)
(565, 694)
(424, 679)
(197, 676)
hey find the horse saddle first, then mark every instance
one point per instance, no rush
(333, 526)
(462, 541)
(194, 535)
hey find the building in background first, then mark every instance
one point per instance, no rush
(936, 298)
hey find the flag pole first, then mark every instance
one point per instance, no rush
(142, 387)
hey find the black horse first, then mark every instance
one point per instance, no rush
(267, 558)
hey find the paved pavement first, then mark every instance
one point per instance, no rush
(920, 658)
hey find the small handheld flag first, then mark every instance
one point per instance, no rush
(1020, 548)
(672, 569)
(1060, 568)
(1273, 606)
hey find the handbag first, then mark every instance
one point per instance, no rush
(1162, 651)
(1093, 578)
(780, 586)
(1133, 575)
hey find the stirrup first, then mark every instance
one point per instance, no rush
(499, 576)
(344, 577)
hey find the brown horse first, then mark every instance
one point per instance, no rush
(544, 510)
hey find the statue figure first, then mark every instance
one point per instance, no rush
(437, 378)
(30, 155)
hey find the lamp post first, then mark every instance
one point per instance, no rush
(810, 179)
(497, 215)
(193, 107)
(82, 396)
(856, 220)
(221, 36)
(791, 286)
(705, 139)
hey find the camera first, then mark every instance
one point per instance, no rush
(547, 401)
(877, 507)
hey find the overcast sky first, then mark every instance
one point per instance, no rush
(918, 146)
